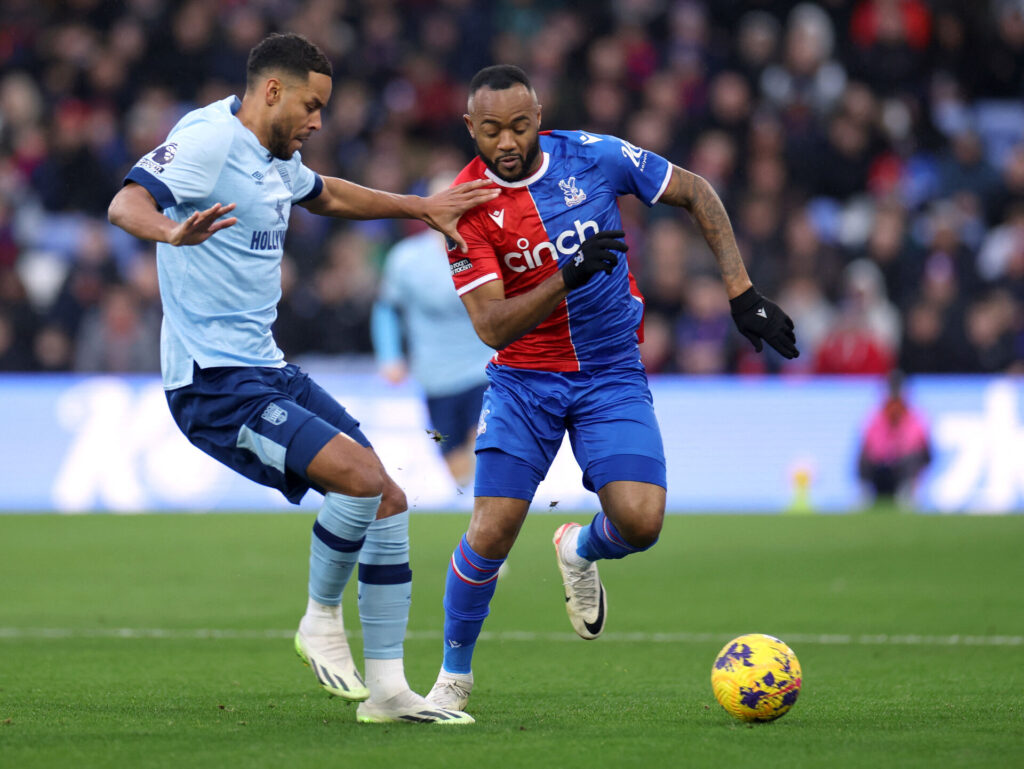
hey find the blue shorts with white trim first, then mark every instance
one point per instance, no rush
(608, 414)
(265, 423)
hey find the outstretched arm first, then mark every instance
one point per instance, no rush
(441, 211)
(135, 211)
(756, 317)
(697, 196)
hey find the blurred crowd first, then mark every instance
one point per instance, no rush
(870, 154)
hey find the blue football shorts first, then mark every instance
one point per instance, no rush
(265, 423)
(455, 415)
(608, 413)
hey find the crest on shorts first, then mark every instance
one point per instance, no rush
(274, 414)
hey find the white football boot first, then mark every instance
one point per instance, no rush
(451, 690)
(321, 644)
(585, 599)
(408, 707)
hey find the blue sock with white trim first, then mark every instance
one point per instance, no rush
(600, 539)
(338, 534)
(467, 596)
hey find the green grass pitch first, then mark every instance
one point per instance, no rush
(164, 641)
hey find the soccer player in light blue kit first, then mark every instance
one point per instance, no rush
(544, 284)
(227, 383)
(417, 301)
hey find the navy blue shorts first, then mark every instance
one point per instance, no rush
(609, 415)
(455, 415)
(265, 423)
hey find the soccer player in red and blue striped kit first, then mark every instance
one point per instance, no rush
(546, 285)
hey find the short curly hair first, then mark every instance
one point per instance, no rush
(499, 77)
(291, 53)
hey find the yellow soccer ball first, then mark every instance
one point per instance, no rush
(756, 677)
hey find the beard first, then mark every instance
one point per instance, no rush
(280, 142)
(532, 153)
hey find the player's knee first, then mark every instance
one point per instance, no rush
(492, 543)
(364, 479)
(492, 539)
(393, 501)
(641, 531)
(368, 482)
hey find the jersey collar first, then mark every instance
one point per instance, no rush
(522, 182)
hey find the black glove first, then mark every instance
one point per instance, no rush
(758, 318)
(595, 255)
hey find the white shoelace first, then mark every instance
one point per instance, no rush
(450, 694)
(583, 586)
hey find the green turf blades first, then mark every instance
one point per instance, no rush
(149, 641)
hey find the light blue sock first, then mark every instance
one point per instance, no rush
(467, 597)
(334, 547)
(385, 587)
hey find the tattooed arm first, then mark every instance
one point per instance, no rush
(697, 196)
(756, 317)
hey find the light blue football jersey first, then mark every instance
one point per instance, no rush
(220, 297)
(445, 354)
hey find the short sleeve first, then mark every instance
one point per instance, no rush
(308, 185)
(631, 169)
(186, 167)
(478, 265)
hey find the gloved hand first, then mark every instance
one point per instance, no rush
(596, 255)
(758, 318)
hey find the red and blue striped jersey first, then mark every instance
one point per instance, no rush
(536, 224)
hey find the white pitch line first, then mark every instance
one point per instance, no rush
(793, 639)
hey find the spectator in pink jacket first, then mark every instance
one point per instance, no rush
(896, 447)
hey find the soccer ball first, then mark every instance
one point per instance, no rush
(756, 677)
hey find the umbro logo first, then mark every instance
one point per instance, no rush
(761, 312)
(257, 176)
(498, 217)
(588, 139)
